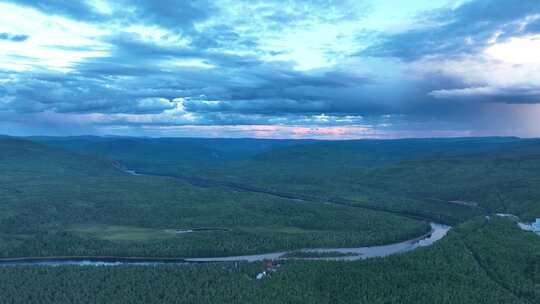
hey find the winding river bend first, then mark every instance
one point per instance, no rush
(438, 231)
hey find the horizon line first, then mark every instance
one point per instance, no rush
(276, 138)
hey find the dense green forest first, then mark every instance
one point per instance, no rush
(67, 196)
(482, 261)
(448, 180)
(71, 197)
(58, 203)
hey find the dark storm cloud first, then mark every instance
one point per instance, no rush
(28, 93)
(511, 95)
(242, 84)
(76, 9)
(174, 14)
(267, 90)
(131, 56)
(13, 37)
(448, 30)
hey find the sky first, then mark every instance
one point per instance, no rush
(326, 69)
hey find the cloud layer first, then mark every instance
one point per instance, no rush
(327, 69)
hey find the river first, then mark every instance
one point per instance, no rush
(438, 232)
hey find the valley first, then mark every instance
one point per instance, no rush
(211, 212)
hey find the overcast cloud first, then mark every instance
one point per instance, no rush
(318, 69)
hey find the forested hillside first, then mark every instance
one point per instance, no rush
(57, 202)
(449, 180)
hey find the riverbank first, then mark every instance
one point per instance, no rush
(348, 254)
